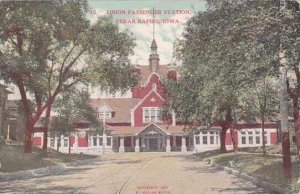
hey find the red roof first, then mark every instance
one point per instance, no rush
(120, 108)
(133, 130)
(162, 71)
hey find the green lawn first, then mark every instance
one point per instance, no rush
(13, 159)
(252, 162)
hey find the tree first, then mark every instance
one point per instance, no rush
(219, 57)
(232, 41)
(48, 47)
(260, 102)
(71, 107)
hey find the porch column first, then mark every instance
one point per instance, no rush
(75, 144)
(55, 142)
(183, 144)
(8, 131)
(168, 147)
(194, 144)
(121, 148)
(104, 141)
(132, 141)
(137, 144)
(158, 143)
(143, 144)
(163, 141)
(62, 141)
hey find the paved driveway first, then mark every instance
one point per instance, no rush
(142, 173)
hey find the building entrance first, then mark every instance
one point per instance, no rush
(153, 144)
(153, 139)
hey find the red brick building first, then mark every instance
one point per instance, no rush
(136, 124)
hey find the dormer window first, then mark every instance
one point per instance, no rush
(105, 112)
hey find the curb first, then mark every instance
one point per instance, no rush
(265, 185)
(45, 171)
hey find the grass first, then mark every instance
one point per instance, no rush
(252, 162)
(13, 159)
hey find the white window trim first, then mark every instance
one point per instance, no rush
(98, 137)
(157, 110)
(254, 135)
(106, 111)
(215, 135)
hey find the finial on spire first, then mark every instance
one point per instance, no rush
(153, 24)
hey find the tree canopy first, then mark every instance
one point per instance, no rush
(49, 46)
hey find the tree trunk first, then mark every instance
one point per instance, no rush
(45, 142)
(234, 138)
(287, 164)
(296, 122)
(223, 139)
(263, 136)
(28, 136)
(69, 150)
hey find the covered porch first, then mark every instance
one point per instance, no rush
(153, 138)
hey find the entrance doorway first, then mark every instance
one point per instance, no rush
(153, 144)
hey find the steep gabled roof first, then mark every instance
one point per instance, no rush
(120, 108)
(162, 72)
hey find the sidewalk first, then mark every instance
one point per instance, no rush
(46, 171)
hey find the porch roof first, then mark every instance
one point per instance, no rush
(135, 130)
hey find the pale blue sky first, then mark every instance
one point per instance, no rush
(165, 34)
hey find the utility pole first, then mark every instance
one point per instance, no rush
(284, 113)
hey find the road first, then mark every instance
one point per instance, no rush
(141, 173)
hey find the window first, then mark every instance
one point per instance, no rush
(100, 141)
(257, 137)
(204, 137)
(66, 142)
(104, 112)
(250, 137)
(266, 137)
(197, 140)
(94, 141)
(243, 140)
(212, 138)
(154, 87)
(52, 142)
(243, 136)
(108, 141)
(146, 115)
(152, 114)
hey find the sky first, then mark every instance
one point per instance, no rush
(165, 33)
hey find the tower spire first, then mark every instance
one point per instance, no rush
(153, 44)
(154, 57)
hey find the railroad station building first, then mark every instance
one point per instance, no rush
(136, 124)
